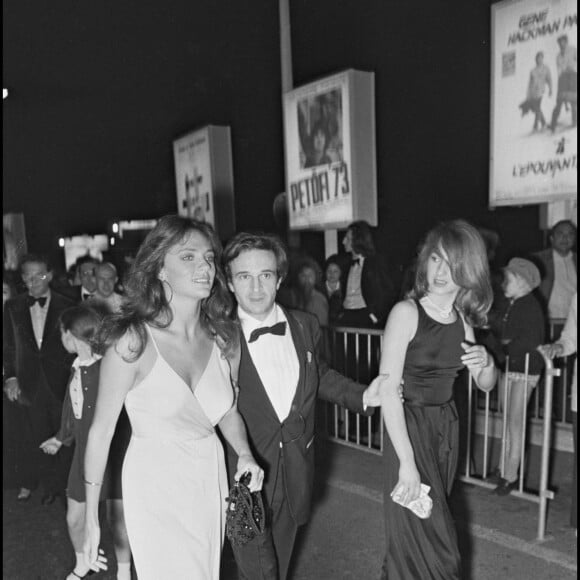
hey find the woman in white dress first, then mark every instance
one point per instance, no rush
(172, 359)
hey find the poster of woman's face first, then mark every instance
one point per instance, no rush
(320, 129)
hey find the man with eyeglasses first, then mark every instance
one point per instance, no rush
(36, 370)
(280, 376)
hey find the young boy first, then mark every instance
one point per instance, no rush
(519, 326)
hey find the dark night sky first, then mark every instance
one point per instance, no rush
(98, 91)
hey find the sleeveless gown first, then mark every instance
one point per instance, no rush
(417, 548)
(174, 477)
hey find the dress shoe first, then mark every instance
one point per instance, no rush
(494, 476)
(48, 498)
(505, 487)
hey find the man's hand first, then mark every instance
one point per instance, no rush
(372, 395)
(552, 350)
(12, 389)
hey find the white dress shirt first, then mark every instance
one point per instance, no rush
(275, 359)
(565, 283)
(38, 318)
(76, 385)
(353, 299)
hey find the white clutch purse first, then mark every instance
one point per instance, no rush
(421, 506)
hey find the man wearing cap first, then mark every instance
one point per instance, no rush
(519, 327)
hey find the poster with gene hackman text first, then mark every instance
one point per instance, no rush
(533, 157)
(330, 151)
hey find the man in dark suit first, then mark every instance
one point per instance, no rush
(86, 267)
(37, 367)
(558, 267)
(368, 291)
(280, 376)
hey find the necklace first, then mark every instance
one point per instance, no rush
(443, 312)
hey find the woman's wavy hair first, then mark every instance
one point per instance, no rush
(466, 252)
(362, 238)
(84, 323)
(146, 302)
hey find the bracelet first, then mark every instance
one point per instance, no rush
(92, 483)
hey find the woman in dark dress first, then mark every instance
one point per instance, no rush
(428, 339)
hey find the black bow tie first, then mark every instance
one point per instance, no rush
(355, 261)
(278, 329)
(31, 300)
(87, 296)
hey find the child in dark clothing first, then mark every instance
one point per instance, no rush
(79, 326)
(519, 327)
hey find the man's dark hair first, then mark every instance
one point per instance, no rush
(362, 239)
(36, 259)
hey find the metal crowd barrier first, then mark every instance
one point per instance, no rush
(543, 494)
(356, 353)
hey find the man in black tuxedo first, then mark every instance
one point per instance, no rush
(37, 367)
(280, 376)
(368, 291)
(86, 270)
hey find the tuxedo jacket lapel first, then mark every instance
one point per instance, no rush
(249, 376)
(26, 321)
(301, 352)
(51, 322)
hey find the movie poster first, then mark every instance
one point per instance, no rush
(330, 152)
(533, 102)
(193, 176)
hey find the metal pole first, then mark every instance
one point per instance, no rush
(550, 373)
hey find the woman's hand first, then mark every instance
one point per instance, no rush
(94, 556)
(247, 464)
(51, 446)
(475, 357)
(408, 487)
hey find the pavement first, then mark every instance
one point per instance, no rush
(344, 539)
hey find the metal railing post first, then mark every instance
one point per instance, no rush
(544, 493)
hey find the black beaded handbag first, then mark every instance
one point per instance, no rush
(245, 515)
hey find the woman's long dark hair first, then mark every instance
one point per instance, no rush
(465, 249)
(146, 302)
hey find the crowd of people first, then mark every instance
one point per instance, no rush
(208, 362)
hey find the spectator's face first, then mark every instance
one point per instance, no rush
(333, 273)
(347, 241)
(512, 284)
(37, 278)
(254, 281)
(87, 276)
(540, 59)
(563, 239)
(106, 280)
(307, 277)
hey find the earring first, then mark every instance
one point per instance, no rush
(166, 283)
(163, 277)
